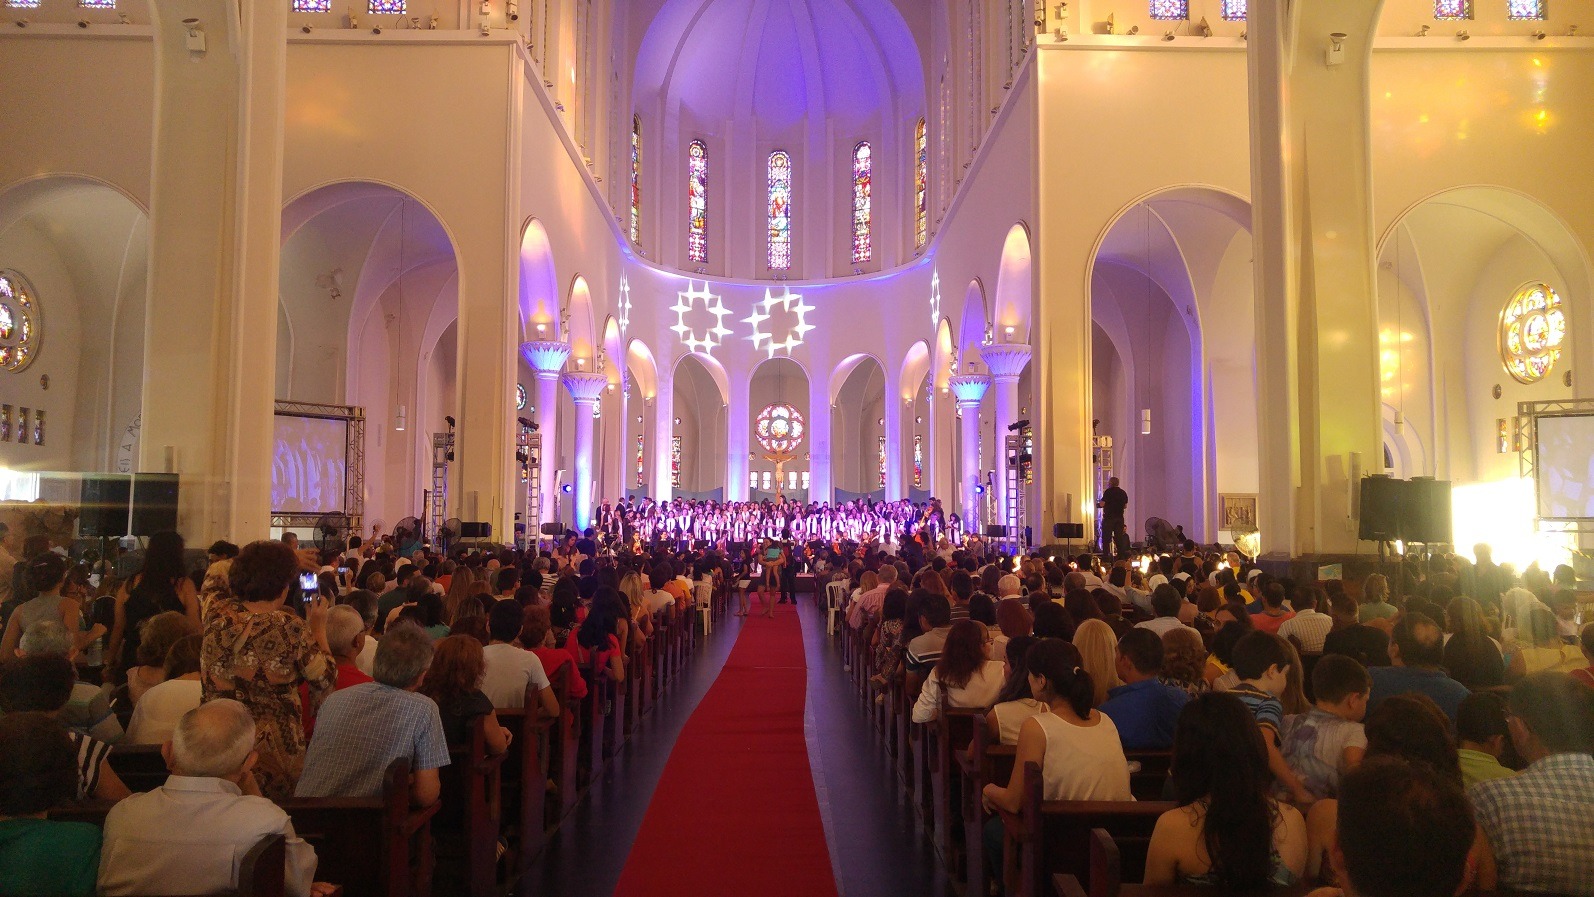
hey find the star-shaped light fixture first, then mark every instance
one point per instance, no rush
(625, 304)
(712, 336)
(790, 302)
(935, 299)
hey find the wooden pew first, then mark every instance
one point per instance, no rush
(1148, 781)
(524, 776)
(1054, 836)
(954, 732)
(473, 782)
(984, 762)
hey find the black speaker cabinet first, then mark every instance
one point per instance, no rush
(1426, 515)
(154, 503)
(1068, 531)
(1383, 499)
(475, 530)
(104, 501)
(995, 531)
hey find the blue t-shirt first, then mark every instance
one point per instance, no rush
(1391, 681)
(1145, 714)
(362, 729)
(1269, 712)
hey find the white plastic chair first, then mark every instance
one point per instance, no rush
(704, 593)
(835, 601)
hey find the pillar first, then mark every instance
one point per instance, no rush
(820, 463)
(894, 407)
(738, 438)
(586, 388)
(1315, 268)
(215, 253)
(663, 433)
(969, 391)
(547, 360)
(1006, 362)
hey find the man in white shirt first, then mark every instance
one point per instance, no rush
(1309, 628)
(189, 835)
(511, 668)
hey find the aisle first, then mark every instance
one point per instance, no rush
(735, 811)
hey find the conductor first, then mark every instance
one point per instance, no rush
(1114, 535)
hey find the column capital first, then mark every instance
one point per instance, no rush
(585, 387)
(1006, 361)
(546, 357)
(969, 389)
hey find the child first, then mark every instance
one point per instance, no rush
(1482, 734)
(1262, 661)
(1325, 742)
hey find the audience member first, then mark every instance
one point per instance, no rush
(1470, 656)
(1309, 628)
(935, 622)
(1015, 703)
(40, 857)
(1273, 614)
(157, 714)
(1184, 661)
(1262, 663)
(1326, 741)
(1375, 600)
(157, 634)
(43, 684)
(536, 635)
(88, 710)
(1144, 709)
(963, 673)
(1482, 737)
(212, 791)
(1166, 603)
(1585, 640)
(1417, 653)
(511, 669)
(1369, 645)
(1404, 831)
(1098, 652)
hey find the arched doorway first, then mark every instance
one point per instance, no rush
(858, 449)
(700, 421)
(778, 382)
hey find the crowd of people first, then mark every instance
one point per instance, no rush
(1419, 744)
(722, 525)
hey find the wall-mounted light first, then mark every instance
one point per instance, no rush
(1145, 422)
(1336, 49)
(1538, 35)
(402, 419)
(1423, 32)
(196, 36)
(1463, 35)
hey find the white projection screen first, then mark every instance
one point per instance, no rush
(309, 466)
(1563, 464)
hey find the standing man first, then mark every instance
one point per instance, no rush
(1114, 535)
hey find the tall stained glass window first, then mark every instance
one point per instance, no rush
(312, 5)
(388, 7)
(1524, 9)
(1170, 10)
(862, 203)
(779, 211)
(1234, 10)
(675, 461)
(636, 179)
(882, 458)
(921, 185)
(918, 461)
(639, 461)
(1452, 9)
(697, 201)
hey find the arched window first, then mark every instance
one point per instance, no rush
(1524, 9)
(1452, 9)
(1532, 329)
(1234, 10)
(697, 201)
(862, 203)
(21, 322)
(779, 211)
(388, 7)
(636, 179)
(312, 5)
(1170, 10)
(921, 185)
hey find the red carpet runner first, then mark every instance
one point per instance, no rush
(735, 813)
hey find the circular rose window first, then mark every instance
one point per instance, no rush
(520, 397)
(780, 429)
(1532, 328)
(21, 324)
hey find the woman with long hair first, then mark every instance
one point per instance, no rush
(454, 682)
(162, 584)
(1471, 657)
(887, 638)
(603, 633)
(45, 575)
(963, 672)
(1014, 703)
(1098, 651)
(462, 587)
(1228, 832)
(565, 612)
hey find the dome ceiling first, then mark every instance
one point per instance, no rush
(782, 62)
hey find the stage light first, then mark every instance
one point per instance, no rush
(686, 302)
(567, 488)
(979, 488)
(763, 312)
(1015, 426)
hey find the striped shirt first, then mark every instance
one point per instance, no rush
(91, 754)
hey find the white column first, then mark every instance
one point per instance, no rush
(738, 438)
(585, 389)
(894, 406)
(819, 442)
(663, 433)
(1006, 362)
(547, 360)
(969, 390)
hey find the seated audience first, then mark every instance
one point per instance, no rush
(213, 794)
(1144, 709)
(88, 710)
(1375, 600)
(1262, 662)
(43, 684)
(1051, 620)
(157, 714)
(44, 575)
(1405, 831)
(511, 668)
(1470, 656)
(962, 672)
(1098, 654)
(361, 730)
(1369, 645)
(1228, 832)
(1167, 603)
(453, 682)
(40, 857)
(1321, 744)
(1184, 661)
(536, 635)
(1309, 628)
(1541, 821)
(935, 622)
(1273, 614)
(1416, 652)
(1482, 736)
(157, 635)
(600, 639)
(1014, 704)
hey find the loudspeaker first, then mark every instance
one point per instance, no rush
(1068, 531)
(104, 501)
(154, 503)
(553, 529)
(996, 531)
(1383, 500)
(1426, 513)
(475, 530)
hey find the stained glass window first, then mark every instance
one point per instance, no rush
(1532, 329)
(675, 461)
(780, 429)
(779, 211)
(697, 201)
(636, 179)
(882, 462)
(520, 397)
(1452, 9)
(918, 461)
(862, 203)
(1234, 10)
(21, 323)
(388, 7)
(1169, 10)
(312, 5)
(640, 482)
(97, 4)
(22, 4)
(1524, 9)
(921, 185)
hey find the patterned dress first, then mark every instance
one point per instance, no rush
(259, 659)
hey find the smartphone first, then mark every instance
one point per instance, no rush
(309, 583)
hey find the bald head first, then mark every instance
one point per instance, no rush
(214, 740)
(345, 626)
